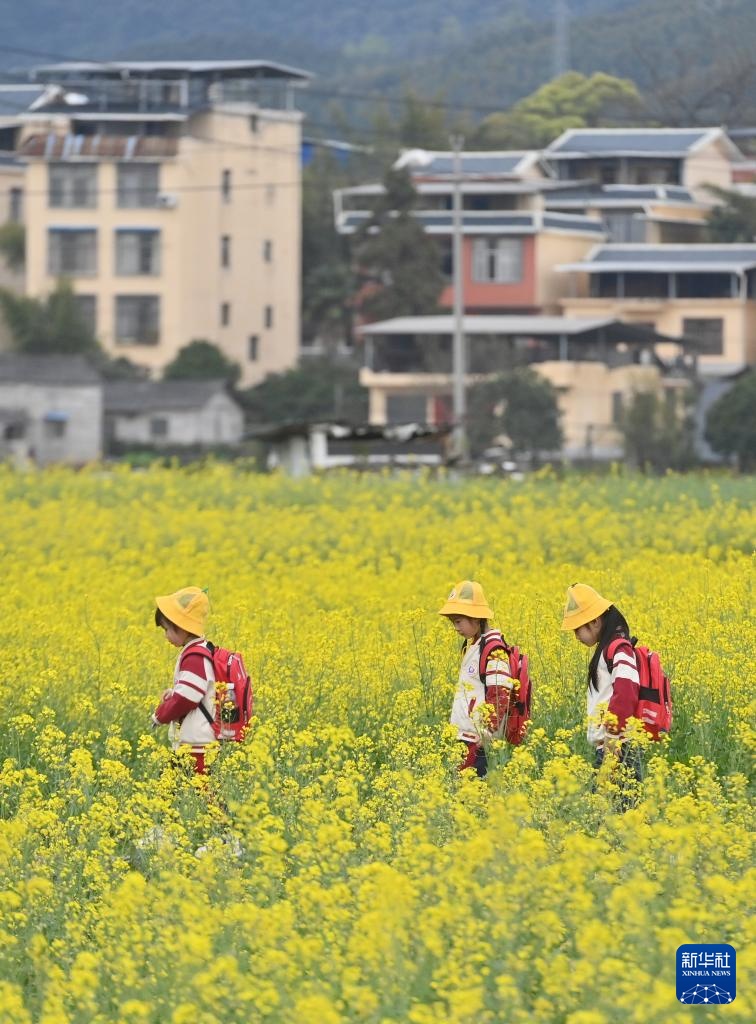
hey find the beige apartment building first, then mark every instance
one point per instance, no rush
(169, 194)
(704, 295)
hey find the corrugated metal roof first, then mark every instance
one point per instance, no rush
(52, 146)
(494, 325)
(49, 370)
(166, 68)
(627, 142)
(475, 222)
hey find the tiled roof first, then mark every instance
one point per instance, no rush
(52, 146)
(668, 259)
(618, 142)
(49, 370)
(433, 163)
(144, 396)
(610, 195)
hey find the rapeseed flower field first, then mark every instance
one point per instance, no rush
(375, 883)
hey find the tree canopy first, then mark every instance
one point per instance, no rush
(731, 422)
(399, 265)
(201, 359)
(519, 406)
(571, 101)
(51, 325)
(318, 389)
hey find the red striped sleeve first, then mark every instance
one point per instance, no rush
(625, 685)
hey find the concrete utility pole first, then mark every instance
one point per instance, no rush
(561, 38)
(459, 356)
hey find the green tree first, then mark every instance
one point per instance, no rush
(731, 422)
(571, 101)
(399, 265)
(519, 406)
(13, 244)
(658, 433)
(319, 389)
(201, 359)
(53, 325)
(327, 279)
(735, 219)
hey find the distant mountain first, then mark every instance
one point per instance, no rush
(694, 58)
(401, 27)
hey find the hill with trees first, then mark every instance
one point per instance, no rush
(692, 60)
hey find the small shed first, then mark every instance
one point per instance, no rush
(171, 414)
(50, 408)
(302, 448)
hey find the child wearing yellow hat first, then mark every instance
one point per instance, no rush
(613, 684)
(468, 611)
(189, 705)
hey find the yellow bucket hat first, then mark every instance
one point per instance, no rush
(584, 604)
(467, 598)
(188, 609)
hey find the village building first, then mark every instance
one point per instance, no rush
(169, 194)
(594, 364)
(171, 414)
(50, 409)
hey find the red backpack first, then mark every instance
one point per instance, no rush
(654, 707)
(517, 713)
(233, 694)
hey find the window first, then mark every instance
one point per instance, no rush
(497, 260)
(617, 407)
(225, 255)
(15, 209)
(54, 425)
(268, 316)
(226, 186)
(137, 252)
(706, 286)
(72, 251)
(254, 123)
(158, 426)
(646, 286)
(707, 334)
(624, 226)
(138, 185)
(406, 408)
(268, 250)
(86, 306)
(72, 186)
(225, 314)
(607, 174)
(253, 348)
(137, 319)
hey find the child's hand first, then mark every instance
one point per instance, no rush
(166, 695)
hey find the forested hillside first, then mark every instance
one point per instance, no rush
(692, 59)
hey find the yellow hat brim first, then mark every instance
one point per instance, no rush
(578, 618)
(472, 611)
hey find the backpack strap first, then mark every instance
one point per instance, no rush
(207, 652)
(495, 642)
(613, 646)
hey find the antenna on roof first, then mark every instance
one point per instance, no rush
(561, 38)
